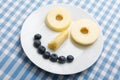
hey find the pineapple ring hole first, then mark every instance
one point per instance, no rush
(59, 17)
(84, 30)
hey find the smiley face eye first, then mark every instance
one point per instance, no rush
(58, 19)
(84, 32)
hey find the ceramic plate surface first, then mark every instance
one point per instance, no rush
(84, 57)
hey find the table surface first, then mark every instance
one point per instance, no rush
(14, 64)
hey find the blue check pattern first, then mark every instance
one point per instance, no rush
(14, 64)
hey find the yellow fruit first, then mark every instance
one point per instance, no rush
(58, 19)
(55, 44)
(85, 31)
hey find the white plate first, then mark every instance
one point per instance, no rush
(84, 56)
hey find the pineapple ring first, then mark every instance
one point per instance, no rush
(84, 31)
(58, 19)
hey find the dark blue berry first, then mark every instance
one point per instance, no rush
(70, 58)
(61, 59)
(46, 55)
(36, 43)
(37, 37)
(53, 57)
(41, 49)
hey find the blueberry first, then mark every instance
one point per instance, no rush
(46, 55)
(53, 57)
(70, 58)
(41, 49)
(36, 43)
(61, 59)
(37, 36)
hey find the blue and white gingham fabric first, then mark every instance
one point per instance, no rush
(14, 64)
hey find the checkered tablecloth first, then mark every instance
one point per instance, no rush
(14, 64)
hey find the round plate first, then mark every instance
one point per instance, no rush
(84, 56)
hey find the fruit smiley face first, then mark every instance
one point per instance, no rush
(83, 32)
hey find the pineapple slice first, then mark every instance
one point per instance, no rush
(57, 42)
(58, 19)
(85, 31)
